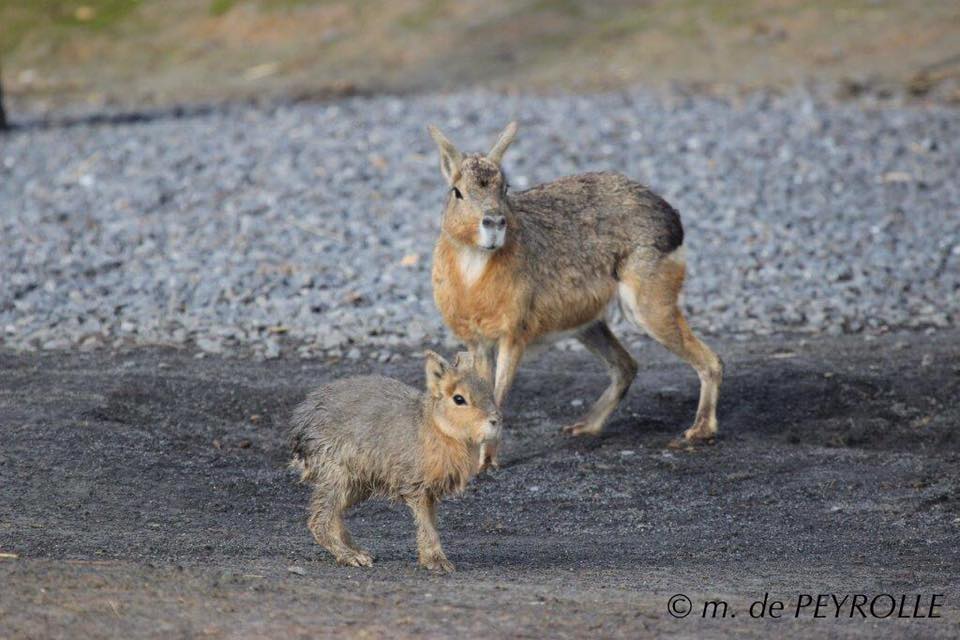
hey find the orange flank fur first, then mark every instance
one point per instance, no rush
(498, 303)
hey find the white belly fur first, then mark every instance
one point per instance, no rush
(549, 339)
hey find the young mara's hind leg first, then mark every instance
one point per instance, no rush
(622, 368)
(326, 524)
(649, 292)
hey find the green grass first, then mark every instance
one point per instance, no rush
(103, 49)
(220, 7)
(423, 16)
(20, 17)
(59, 18)
(572, 8)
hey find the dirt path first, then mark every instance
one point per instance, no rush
(145, 496)
(125, 54)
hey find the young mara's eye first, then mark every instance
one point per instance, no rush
(459, 399)
(457, 194)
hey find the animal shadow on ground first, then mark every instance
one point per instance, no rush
(785, 402)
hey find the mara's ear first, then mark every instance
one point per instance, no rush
(506, 137)
(436, 368)
(450, 158)
(464, 361)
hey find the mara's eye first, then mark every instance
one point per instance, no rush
(457, 194)
(459, 399)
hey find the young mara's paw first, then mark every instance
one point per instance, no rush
(489, 462)
(437, 562)
(489, 456)
(356, 559)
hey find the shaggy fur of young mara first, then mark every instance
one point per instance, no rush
(374, 436)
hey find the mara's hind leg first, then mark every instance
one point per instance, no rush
(649, 292)
(327, 526)
(622, 368)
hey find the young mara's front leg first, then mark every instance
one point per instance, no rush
(428, 540)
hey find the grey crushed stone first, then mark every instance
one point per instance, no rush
(309, 227)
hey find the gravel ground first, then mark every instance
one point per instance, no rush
(309, 227)
(145, 494)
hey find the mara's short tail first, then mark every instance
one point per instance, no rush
(298, 442)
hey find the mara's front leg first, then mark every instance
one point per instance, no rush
(483, 359)
(509, 353)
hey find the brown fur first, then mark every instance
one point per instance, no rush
(374, 436)
(448, 464)
(570, 248)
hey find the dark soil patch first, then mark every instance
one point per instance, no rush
(145, 494)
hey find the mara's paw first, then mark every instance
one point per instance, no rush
(582, 429)
(437, 562)
(355, 559)
(701, 432)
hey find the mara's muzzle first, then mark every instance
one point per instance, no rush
(493, 231)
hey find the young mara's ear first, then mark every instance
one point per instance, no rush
(437, 367)
(496, 154)
(450, 158)
(464, 361)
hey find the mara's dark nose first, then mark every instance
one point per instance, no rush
(494, 221)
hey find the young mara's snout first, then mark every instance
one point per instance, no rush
(492, 428)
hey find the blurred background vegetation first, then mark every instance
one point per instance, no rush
(128, 52)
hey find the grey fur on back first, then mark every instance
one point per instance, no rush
(582, 232)
(367, 429)
(600, 214)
